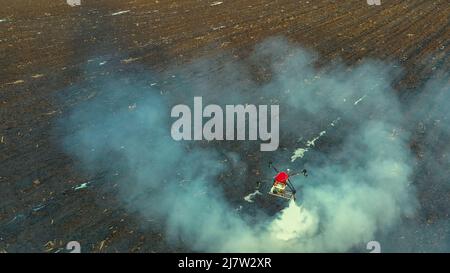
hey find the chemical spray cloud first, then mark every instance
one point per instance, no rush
(361, 172)
(427, 116)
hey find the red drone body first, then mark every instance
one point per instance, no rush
(281, 177)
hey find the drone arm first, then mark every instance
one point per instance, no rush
(273, 167)
(291, 187)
